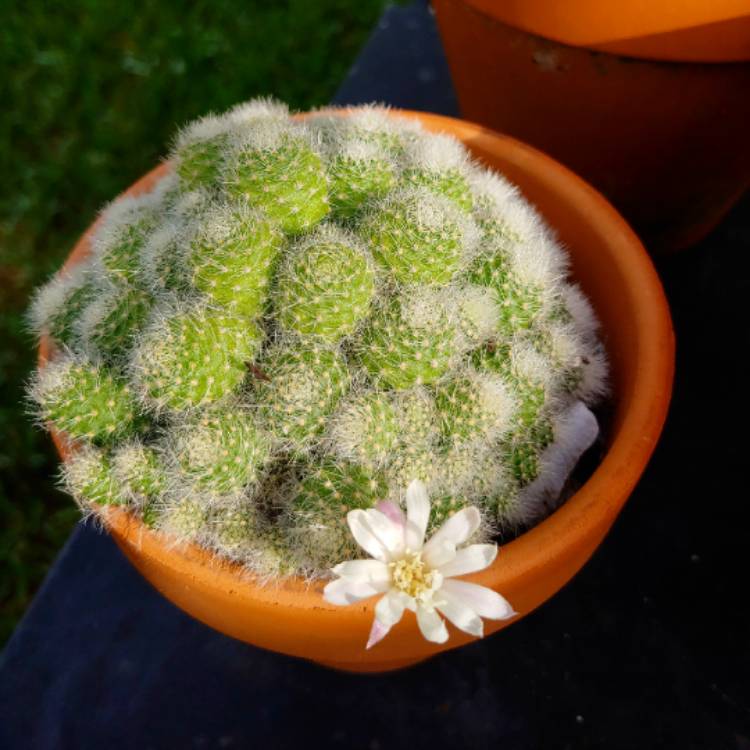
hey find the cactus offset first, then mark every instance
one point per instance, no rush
(299, 319)
(326, 286)
(419, 237)
(222, 451)
(298, 388)
(276, 169)
(192, 357)
(232, 256)
(85, 400)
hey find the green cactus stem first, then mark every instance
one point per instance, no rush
(419, 237)
(439, 164)
(192, 357)
(125, 228)
(88, 476)
(232, 256)
(474, 407)
(300, 387)
(84, 400)
(316, 516)
(276, 170)
(411, 340)
(57, 306)
(140, 472)
(221, 451)
(359, 172)
(110, 324)
(326, 286)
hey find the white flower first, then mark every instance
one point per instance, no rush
(415, 575)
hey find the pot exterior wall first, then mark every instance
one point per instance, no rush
(274, 623)
(666, 142)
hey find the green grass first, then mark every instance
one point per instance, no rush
(91, 93)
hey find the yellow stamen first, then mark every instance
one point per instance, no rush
(411, 575)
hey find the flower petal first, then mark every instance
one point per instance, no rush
(470, 559)
(485, 602)
(374, 572)
(343, 592)
(390, 534)
(457, 529)
(463, 617)
(375, 533)
(432, 625)
(390, 609)
(387, 508)
(440, 554)
(378, 631)
(417, 515)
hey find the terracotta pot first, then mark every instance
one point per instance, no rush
(666, 142)
(617, 275)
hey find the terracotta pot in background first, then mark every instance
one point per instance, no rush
(619, 279)
(665, 140)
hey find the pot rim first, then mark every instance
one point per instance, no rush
(688, 31)
(591, 508)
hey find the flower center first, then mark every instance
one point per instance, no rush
(411, 575)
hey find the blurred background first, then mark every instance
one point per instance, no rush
(92, 91)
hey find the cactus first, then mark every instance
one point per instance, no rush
(276, 169)
(233, 529)
(439, 165)
(300, 319)
(199, 152)
(410, 340)
(473, 407)
(88, 477)
(375, 428)
(162, 264)
(111, 322)
(316, 521)
(182, 516)
(125, 228)
(359, 171)
(366, 430)
(58, 305)
(140, 472)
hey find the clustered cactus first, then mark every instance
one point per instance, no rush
(302, 317)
